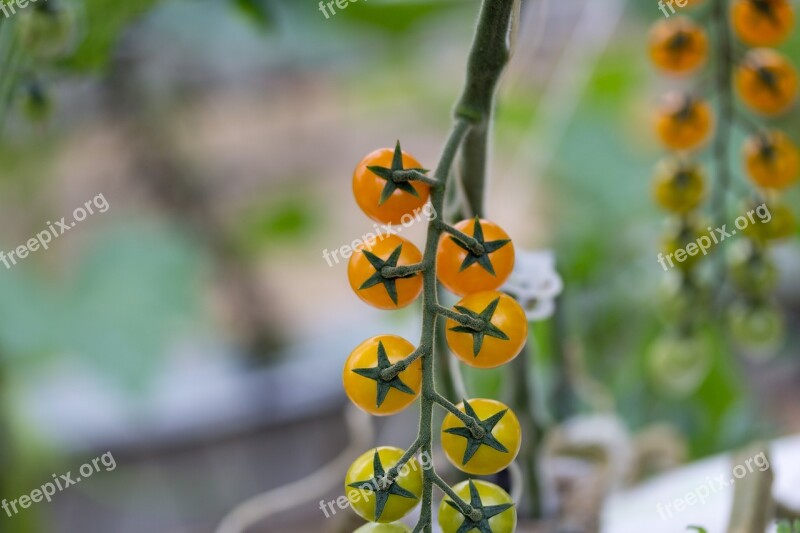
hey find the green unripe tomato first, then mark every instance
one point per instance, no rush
(49, 29)
(678, 363)
(394, 527)
(751, 270)
(451, 520)
(759, 328)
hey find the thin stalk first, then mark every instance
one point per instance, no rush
(470, 242)
(523, 400)
(725, 116)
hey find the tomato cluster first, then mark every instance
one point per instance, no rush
(384, 374)
(766, 84)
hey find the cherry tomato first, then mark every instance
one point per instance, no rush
(778, 223)
(394, 527)
(758, 327)
(762, 22)
(752, 271)
(679, 363)
(362, 376)
(49, 29)
(771, 159)
(492, 452)
(463, 271)
(379, 196)
(767, 82)
(680, 246)
(678, 46)
(503, 338)
(364, 271)
(678, 186)
(370, 494)
(683, 122)
(496, 507)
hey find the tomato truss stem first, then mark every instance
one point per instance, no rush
(470, 242)
(461, 318)
(415, 175)
(402, 271)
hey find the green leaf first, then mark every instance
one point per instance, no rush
(105, 21)
(258, 12)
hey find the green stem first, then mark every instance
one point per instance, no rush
(470, 242)
(725, 115)
(464, 320)
(489, 56)
(415, 175)
(531, 429)
(487, 59)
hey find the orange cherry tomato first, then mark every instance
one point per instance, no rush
(464, 272)
(767, 82)
(683, 122)
(678, 46)
(364, 384)
(762, 22)
(364, 271)
(380, 197)
(771, 159)
(500, 342)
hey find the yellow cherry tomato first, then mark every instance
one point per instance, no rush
(683, 122)
(364, 383)
(489, 453)
(773, 223)
(365, 272)
(772, 159)
(503, 337)
(372, 496)
(462, 270)
(382, 198)
(497, 511)
(678, 186)
(678, 46)
(767, 82)
(762, 22)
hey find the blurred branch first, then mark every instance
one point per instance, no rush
(752, 495)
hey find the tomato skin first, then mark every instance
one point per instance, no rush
(683, 123)
(486, 460)
(363, 501)
(773, 98)
(678, 364)
(368, 186)
(678, 187)
(676, 243)
(678, 46)
(757, 27)
(508, 317)
(362, 390)
(475, 278)
(394, 527)
(451, 520)
(359, 270)
(771, 160)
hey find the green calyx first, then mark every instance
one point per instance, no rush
(383, 385)
(388, 174)
(478, 520)
(488, 247)
(382, 486)
(487, 439)
(489, 329)
(389, 283)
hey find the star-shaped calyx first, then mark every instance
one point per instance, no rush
(473, 443)
(489, 329)
(766, 9)
(486, 512)
(388, 174)
(381, 486)
(390, 284)
(383, 386)
(488, 247)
